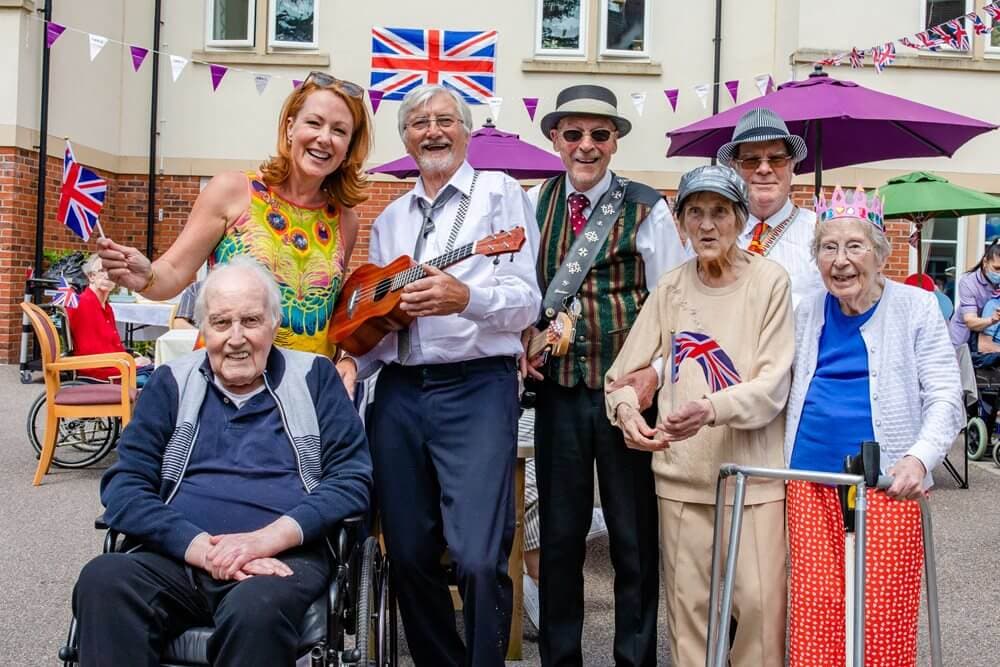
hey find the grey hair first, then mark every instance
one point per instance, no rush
(876, 238)
(90, 266)
(242, 265)
(421, 95)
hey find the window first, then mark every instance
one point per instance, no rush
(936, 12)
(564, 29)
(623, 32)
(291, 24)
(940, 252)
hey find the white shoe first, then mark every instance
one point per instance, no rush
(598, 527)
(531, 599)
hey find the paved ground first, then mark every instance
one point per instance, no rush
(46, 535)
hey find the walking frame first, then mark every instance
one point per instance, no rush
(717, 654)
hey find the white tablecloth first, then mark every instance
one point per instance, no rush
(156, 314)
(175, 343)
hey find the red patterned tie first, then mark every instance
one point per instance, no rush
(577, 203)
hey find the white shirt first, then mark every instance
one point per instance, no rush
(656, 239)
(503, 298)
(792, 250)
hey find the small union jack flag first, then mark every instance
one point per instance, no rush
(404, 58)
(65, 295)
(720, 371)
(883, 56)
(857, 58)
(978, 25)
(953, 34)
(927, 41)
(82, 196)
(993, 9)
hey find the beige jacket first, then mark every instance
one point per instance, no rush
(752, 322)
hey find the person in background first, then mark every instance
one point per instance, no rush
(184, 315)
(92, 325)
(975, 288)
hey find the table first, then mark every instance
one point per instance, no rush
(174, 343)
(138, 316)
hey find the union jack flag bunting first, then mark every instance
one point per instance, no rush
(993, 9)
(953, 33)
(883, 56)
(928, 41)
(82, 196)
(720, 371)
(404, 58)
(857, 58)
(978, 26)
(65, 295)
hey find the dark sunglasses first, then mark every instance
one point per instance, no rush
(752, 163)
(329, 81)
(598, 136)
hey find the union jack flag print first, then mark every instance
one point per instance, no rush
(82, 196)
(883, 56)
(720, 371)
(65, 295)
(404, 58)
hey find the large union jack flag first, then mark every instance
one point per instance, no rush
(82, 196)
(720, 371)
(404, 58)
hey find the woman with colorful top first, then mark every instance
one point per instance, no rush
(873, 361)
(295, 216)
(731, 312)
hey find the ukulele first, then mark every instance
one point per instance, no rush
(557, 337)
(368, 307)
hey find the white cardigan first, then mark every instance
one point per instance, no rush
(916, 391)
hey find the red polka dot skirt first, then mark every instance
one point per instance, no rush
(894, 561)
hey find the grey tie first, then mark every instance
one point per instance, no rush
(426, 227)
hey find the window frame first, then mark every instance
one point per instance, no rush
(945, 48)
(272, 27)
(580, 52)
(230, 43)
(604, 52)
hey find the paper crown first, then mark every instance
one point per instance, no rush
(853, 205)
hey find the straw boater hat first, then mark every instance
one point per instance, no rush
(586, 100)
(761, 125)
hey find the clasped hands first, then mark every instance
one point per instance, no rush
(238, 556)
(685, 422)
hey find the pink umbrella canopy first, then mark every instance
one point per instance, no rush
(494, 150)
(843, 124)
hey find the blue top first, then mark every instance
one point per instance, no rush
(993, 331)
(837, 413)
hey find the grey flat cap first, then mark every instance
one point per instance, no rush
(586, 100)
(720, 179)
(761, 125)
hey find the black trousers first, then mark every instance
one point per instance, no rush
(129, 605)
(443, 441)
(572, 432)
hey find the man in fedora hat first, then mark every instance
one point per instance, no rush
(764, 153)
(605, 240)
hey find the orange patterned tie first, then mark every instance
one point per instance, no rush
(759, 230)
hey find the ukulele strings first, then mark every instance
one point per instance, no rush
(401, 279)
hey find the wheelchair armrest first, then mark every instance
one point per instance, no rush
(346, 536)
(112, 543)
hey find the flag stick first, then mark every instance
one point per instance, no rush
(100, 230)
(671, 359)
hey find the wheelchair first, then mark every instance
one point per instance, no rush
(981, 436)
(355, 606)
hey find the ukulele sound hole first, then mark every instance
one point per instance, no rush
(382, 289)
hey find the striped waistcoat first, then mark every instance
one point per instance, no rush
(612, 292)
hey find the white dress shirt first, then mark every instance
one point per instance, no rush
(503, 297)
(793, 250)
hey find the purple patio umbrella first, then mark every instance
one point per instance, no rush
(842, 123)
(491, 149)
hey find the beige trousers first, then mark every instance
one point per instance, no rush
(759, 597)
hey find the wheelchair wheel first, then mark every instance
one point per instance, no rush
(372, 639)
(80, 442)
(996, 455)
(976, 438)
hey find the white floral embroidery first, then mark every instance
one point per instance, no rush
(591, 236)
(582, 252)
(607, 209)
(573, 267)
(565, 283)
(617, 194)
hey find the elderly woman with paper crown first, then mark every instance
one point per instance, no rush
(730, 311)
(873, 361)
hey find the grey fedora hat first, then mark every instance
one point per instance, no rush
(717, 178)
(586, 100)
(761, 125)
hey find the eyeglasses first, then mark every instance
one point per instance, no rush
(598, 136)
(752, 163)
(443, 123)
(328, 81)
(853, 249)
(222, 324)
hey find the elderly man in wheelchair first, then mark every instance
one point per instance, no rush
(238, 463)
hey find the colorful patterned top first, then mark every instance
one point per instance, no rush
(303, 249)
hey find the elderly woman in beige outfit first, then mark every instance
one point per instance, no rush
(727, 315)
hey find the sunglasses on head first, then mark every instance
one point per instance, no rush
(328, 81)
(598, 136)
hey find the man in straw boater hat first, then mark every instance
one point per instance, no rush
(764, 154)
(605, 241)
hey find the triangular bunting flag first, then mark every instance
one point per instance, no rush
(702, 90)
(96, 44)
(177, 65)
(857, 58)
(296, 83)
(733, 87)
(531, 106)
(217, 71)
(671, 94)
(52, 33)
(375, 97)
(494, 103)
(763, 82)
(639, 101)
(261, 81)
(978, 26)
(138, 55)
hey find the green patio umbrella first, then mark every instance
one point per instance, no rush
(920, 196)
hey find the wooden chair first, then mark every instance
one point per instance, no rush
(78, 401)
